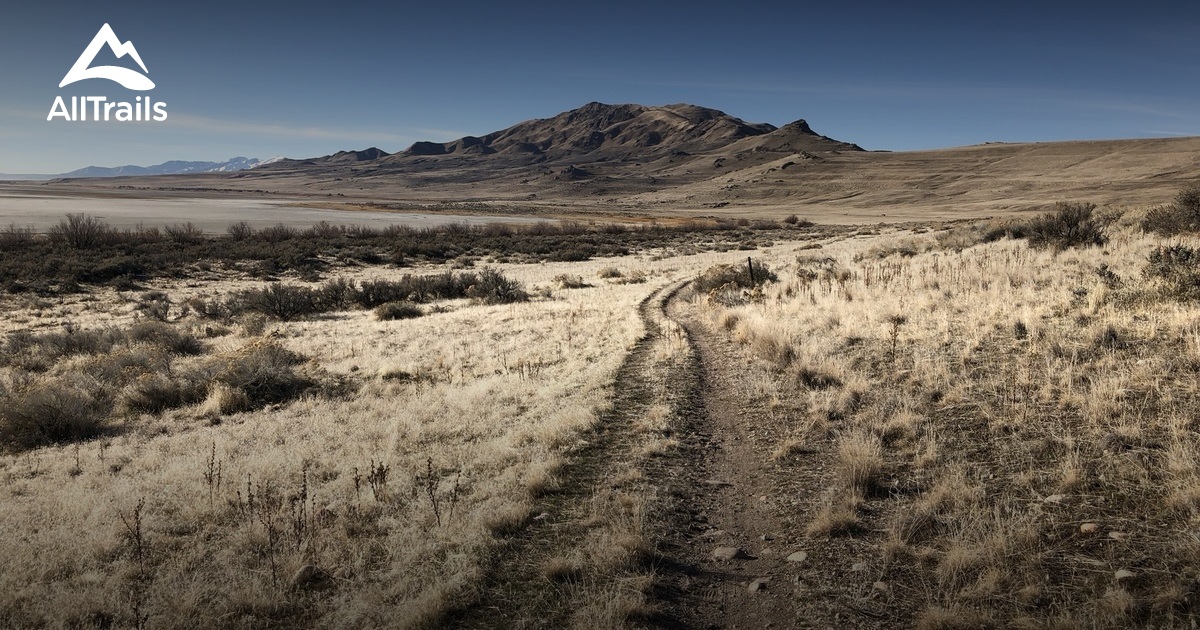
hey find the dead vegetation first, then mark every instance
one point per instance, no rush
(1008, 426)
(207, 469)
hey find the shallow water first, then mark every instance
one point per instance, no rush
(213, 215)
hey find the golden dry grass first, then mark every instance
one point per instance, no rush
(1034, 413)
(471, 409)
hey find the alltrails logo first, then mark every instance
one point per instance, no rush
(141, 109)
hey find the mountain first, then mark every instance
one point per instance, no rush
(270, 160)
(686, 160)
(605, 132)
(349, 157)
(589, 150)
(597, 128)
(174, 167)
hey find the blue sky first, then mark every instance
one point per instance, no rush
(298, 79)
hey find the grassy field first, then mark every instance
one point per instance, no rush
(999, 418)
(337, 471)
(1008, 434)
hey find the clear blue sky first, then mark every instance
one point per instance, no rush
(303, 79)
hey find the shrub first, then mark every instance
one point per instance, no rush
(494, 287)
(121, 365)
(164, 336)
(282, 301)
(721, 276)
(1167, 221)
(239, 231)
(81, 231)
(155, 305)
(323, 230)
(398, 310)
(52, 346)
(253, 324)
(1182, 216)
(277, 233)
(336, 294)
(264, 372)
(796, 221)
(1069, 225)
(1176, 271)
(14, 237)
(609, 272)
(373, 293)
(187, 234)
(155, 393)
(50, 412)
(1188, 200)
(223, 399)
(568, 281)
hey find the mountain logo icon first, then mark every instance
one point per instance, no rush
(130, 79)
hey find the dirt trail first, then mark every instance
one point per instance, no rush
(728, 493)
(516, 592)
(718, 488)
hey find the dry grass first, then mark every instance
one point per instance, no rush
(980, 406)
(457, 422)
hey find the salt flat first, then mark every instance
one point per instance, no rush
(213, 215)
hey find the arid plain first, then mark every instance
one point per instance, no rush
(630, 367)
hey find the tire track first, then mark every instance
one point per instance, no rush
(725, 493)
(515, 592)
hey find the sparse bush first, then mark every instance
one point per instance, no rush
(609, 272)
(494, 287)
(373, 293)
(398, 310)
(569, 281)
(1069, 225)
(224, 399)
(277, 233)
(187, 234)
(264, 372)
(81, 231)
(336, 294)
(155, 305)
(722, 276)
(164, 336)
(155, 393)
(51, 412)
(282, 301)
(796, 221)
(1188, 201)
(1178, 218)
(24, 346)
(1175, 269)
(14, 237)
(239, 231)
(323, 230)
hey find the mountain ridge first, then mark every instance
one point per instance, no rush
(171, 167)
(687, 159)
(603, 132)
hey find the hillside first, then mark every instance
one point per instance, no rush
(687, 160)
